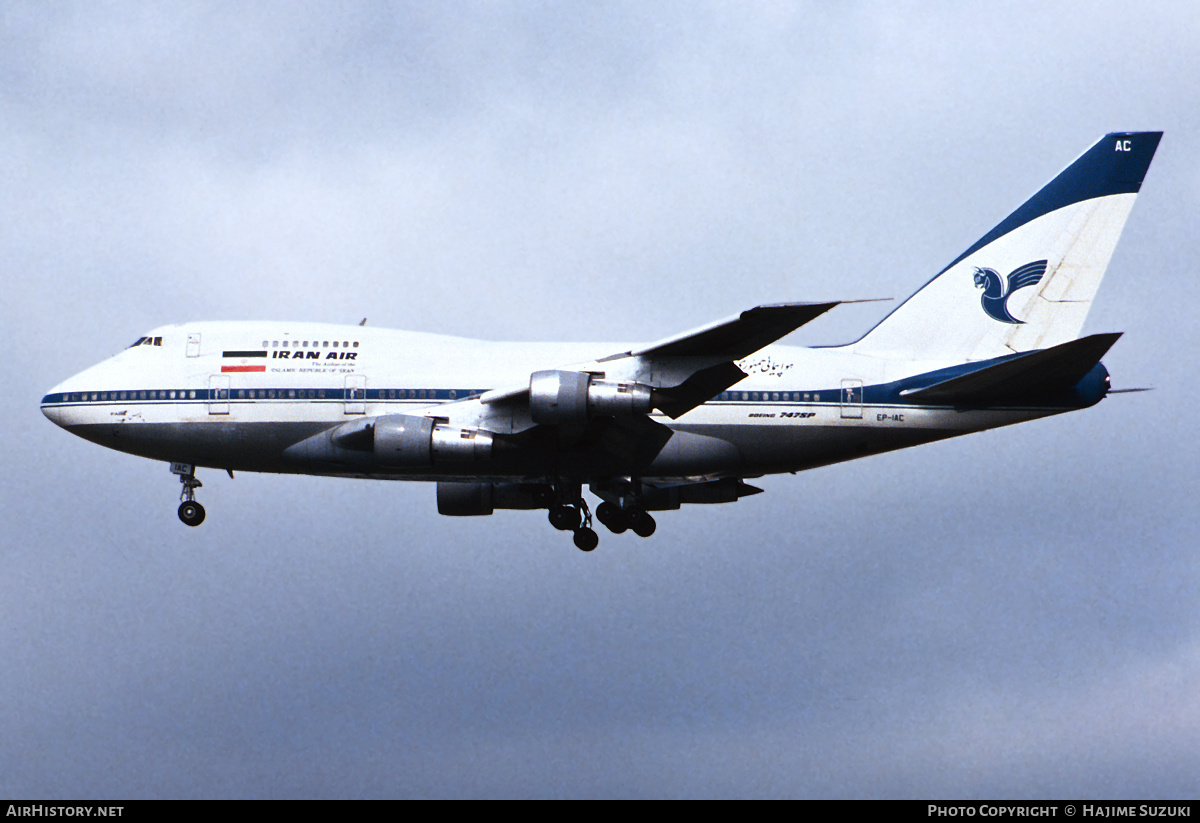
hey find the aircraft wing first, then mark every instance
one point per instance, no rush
(735, 337)
(685, 370)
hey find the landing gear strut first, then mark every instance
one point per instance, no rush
(626, 513)
(571, 513)
(621, 511)
(190, 512)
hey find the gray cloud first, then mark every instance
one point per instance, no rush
(1008, 614)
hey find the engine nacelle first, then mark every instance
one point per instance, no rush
(407, 440)
(574, 397)
(395, 441)
(472, 499)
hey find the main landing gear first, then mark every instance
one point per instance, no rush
(569, 512)
(190, 512)
(574, 516)
(618, 520)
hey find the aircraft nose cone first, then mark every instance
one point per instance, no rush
(52, 405)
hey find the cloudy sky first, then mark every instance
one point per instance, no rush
(1011, 614)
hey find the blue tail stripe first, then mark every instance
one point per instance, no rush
(1116, 164)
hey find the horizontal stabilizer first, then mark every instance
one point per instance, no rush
(1033, 374)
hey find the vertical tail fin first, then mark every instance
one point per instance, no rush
(1038, 270)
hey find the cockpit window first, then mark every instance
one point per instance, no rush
(147, 341)
(139, 342)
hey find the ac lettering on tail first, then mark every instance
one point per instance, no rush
(1124, 145)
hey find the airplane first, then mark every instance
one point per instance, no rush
(990, 341)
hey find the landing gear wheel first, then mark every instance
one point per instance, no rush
(191, 512)
(611, 517)
(643, 525)
(564, 517)
(586, 539)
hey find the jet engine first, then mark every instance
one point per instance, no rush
(574, 397)
(407, 440)
(394, 441)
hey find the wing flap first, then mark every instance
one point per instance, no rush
(702, 386)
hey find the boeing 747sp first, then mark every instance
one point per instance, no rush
(990, 341)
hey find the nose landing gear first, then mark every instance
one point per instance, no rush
(190, 512)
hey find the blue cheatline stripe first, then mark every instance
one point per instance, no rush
(882, 394)
(871, 394)
(255, 395)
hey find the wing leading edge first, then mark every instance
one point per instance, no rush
(687, 369)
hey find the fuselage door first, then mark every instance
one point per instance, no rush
(218, 394)
(193, 347)
(356, 394)
(852, 399)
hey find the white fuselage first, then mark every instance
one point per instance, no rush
(235, 395)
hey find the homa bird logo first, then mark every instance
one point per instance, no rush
(995, 296)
